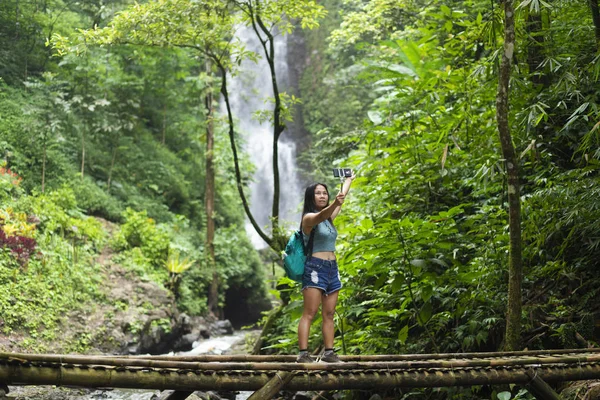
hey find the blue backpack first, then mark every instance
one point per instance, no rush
(294, 255)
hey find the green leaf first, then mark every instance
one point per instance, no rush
(425, 313)
(419, 263)
(366, 223)
(504, 396)
(380, 281)
(401, 69)
(403, 334)
(397, 283)
(375, 117)
(426, 292)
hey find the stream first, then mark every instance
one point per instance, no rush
(229, 344)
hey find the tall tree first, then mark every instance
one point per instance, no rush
(515, 262)
(209, 199)
(208, 28)
(596, 19)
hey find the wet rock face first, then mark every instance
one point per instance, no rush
(200, 330)
(160, 335)
(220, 328)
(202, 395)
(157, 337)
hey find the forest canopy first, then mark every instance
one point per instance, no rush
(103, 119)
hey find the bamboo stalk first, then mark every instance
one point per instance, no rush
(272, 387)
(273, 366)
(190, 381)
(291, 358)
(391, 357)
(539, 388)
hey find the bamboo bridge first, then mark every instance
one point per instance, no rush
(268, 374)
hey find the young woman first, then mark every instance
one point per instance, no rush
(321, 280)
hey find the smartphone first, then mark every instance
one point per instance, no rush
(342, 172)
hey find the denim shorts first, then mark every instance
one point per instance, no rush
(321, 274)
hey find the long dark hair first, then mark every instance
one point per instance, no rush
(309, 200)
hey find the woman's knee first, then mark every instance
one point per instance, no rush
(309, 315)
(328, 314)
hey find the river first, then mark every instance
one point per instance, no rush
(229, 344)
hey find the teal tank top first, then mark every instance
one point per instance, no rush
(325, 236)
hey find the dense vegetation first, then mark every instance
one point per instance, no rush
(406, 95)
(403, 92)
(110, 140)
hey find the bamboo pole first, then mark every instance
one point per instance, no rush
(272, 366)
(272, 387)
(292, 358)
(308, 380)
(540, 389)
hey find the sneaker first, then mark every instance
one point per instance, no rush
(304, 359)
(330, 358)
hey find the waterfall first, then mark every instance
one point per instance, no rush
(248, 92)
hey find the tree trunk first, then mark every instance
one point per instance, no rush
(515, 263)
(213, 294)
(278, 127)
(164, 124)
(17, 23)
(112, 166)
(596, 18)
(238, 174)
(82, 154)
(535, 48)
(44, 167)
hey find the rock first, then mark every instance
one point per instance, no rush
(223, 395)
(200, 396)
(222, 327)
(199, 327)
(173, 394)
(185, 323)
(152, 336)
(185, 342)
(301, 396)
(162, 335)
(204, 333)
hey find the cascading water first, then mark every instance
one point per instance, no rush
(248, 92)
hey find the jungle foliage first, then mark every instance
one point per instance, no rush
(404, 92)
(108, 137)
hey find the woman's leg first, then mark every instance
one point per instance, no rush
(328, 311)
(312, 299)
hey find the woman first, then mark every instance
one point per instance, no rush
(321, 280)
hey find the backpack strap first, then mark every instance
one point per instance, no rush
(308, 248)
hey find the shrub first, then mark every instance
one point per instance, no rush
(142, 232)
(9, 183)
(17, 234)
(58, 213)
(95, 201)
